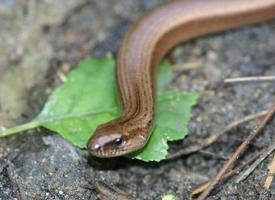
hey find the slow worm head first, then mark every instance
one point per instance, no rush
(117, 138)
(141, 51)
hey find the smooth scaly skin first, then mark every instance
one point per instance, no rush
(143, 48)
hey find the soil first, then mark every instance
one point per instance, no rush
(39, 40)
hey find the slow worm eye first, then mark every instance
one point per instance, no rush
(97, 147)
(118, 141)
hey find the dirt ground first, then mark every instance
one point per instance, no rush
(39, 40)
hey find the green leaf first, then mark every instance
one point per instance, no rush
(164, 76)
(89, 98)
(169, 197)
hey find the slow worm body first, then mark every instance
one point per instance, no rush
(142, 49)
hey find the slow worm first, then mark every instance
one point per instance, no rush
(142, 49)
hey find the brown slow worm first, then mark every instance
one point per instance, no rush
(143, 48)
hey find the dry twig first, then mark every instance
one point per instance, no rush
(214, 137)
(237, 170)
(107, 191)
(270, 175)
(237, 153)
(249, 79)
(247, 172)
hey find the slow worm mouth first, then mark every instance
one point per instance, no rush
(103, 154)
